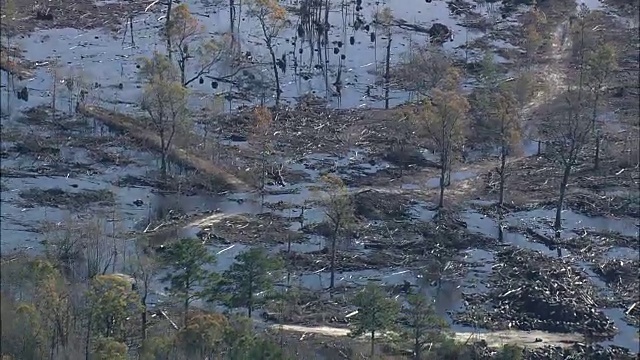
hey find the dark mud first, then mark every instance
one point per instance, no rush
(57, 197)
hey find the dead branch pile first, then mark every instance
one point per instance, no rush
(533, 291)
(622, 276)
(576, 351)
(616, 270)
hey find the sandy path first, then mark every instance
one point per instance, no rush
(494, 339)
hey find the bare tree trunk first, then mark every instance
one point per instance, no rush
(53, 100)
(10, 80)
(182, 65)
(386, 73)
(87, 340)
(373, 343)
(143, 319)
(167, 24)
(275, 73)
(186, 309)
(133, 42)
(327, 6)
(333, 263)
(539, 148)
(596, 128)
(163, 156)
(334, 241)
(503, 165)
(596, 163)
(250, 303)
(263, 178)
(232, 15)
(557, 225)
(443, 173)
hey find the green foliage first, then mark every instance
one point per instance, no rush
(449, 349)
(532, 37)
(444, 122)
(509, 352)
(165, 100)
(109, 349)
(8, 9)
(488, 81)
(112, 301)
(376, 312)
(339, 206)
(166, 103)
(242, 343)
(340, 212)
(188, 276)
(497, 106)
(489, 74)
(188, 38)
(265, 349)
(601, 62)
(252, 273)
(445, 116)
(23, 335)
(203, 335)
(504, 118)
(156, 348)
(157, 68)
(422, 324)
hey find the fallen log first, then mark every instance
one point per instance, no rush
(14, 67)
(124, 123)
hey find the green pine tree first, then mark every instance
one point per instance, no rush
(252, 273)
(376, 313)
(189, 278)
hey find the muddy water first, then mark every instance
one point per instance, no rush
(109, 60)
(19, 218)
(572, 221)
